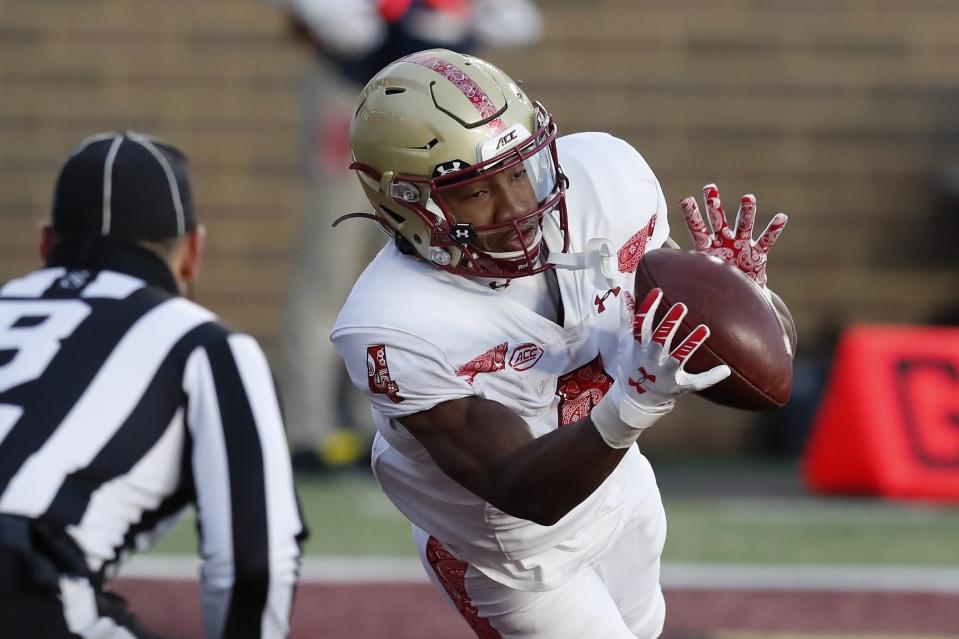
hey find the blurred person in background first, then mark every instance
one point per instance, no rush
(122, 402)
(327, 420)
(509, 368)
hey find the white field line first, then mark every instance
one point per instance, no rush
(312, 570)
(674, 575)
(812, 577)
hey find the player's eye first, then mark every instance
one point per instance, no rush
(518, 175)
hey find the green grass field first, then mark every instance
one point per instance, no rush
(348, 515)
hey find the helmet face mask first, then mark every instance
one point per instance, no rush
(420, 185)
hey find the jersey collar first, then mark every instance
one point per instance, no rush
(101, 253)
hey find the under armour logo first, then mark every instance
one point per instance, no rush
(599, 301)
(496, 285)
(643, 377)
(448, 167)
(463, 233)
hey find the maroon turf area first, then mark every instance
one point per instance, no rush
(415, 611)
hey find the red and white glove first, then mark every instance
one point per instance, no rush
(651, 376)
(739, 249)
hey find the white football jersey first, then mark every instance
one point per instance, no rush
(413, 335)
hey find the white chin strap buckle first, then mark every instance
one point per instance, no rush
(597, 259)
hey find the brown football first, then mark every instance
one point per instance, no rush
(745, 330)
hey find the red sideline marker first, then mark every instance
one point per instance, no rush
(889, 421)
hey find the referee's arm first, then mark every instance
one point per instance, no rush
(248, 513)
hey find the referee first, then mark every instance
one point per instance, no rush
(121, 403)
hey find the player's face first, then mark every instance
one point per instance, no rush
(496, 199)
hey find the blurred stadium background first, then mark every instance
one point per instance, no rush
(843, 113)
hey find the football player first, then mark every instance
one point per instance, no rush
(509, 369)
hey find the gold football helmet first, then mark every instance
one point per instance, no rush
(437, 120)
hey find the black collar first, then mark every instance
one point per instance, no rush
(102, 253)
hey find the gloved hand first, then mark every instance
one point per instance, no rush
(739, 249)
(651, 376)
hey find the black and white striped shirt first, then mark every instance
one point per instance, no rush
(121, 403)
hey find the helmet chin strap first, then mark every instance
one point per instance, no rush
(597, 260)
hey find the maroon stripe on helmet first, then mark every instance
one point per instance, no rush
(462, 81)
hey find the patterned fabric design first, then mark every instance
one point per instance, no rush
(489, 362)
(462, 81)
(378, 374)
(737, 249)
(635, 247)
(580, 390)
(451, 573)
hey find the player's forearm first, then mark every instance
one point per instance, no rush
(546, 478)
(489, 450)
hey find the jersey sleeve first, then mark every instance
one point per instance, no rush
(615, 193)
(661, 227)
(247, 507)
(644, 189)
(401, 374)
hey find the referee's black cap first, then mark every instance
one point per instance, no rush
(124, 185)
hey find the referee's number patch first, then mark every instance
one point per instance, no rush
(30, 335)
